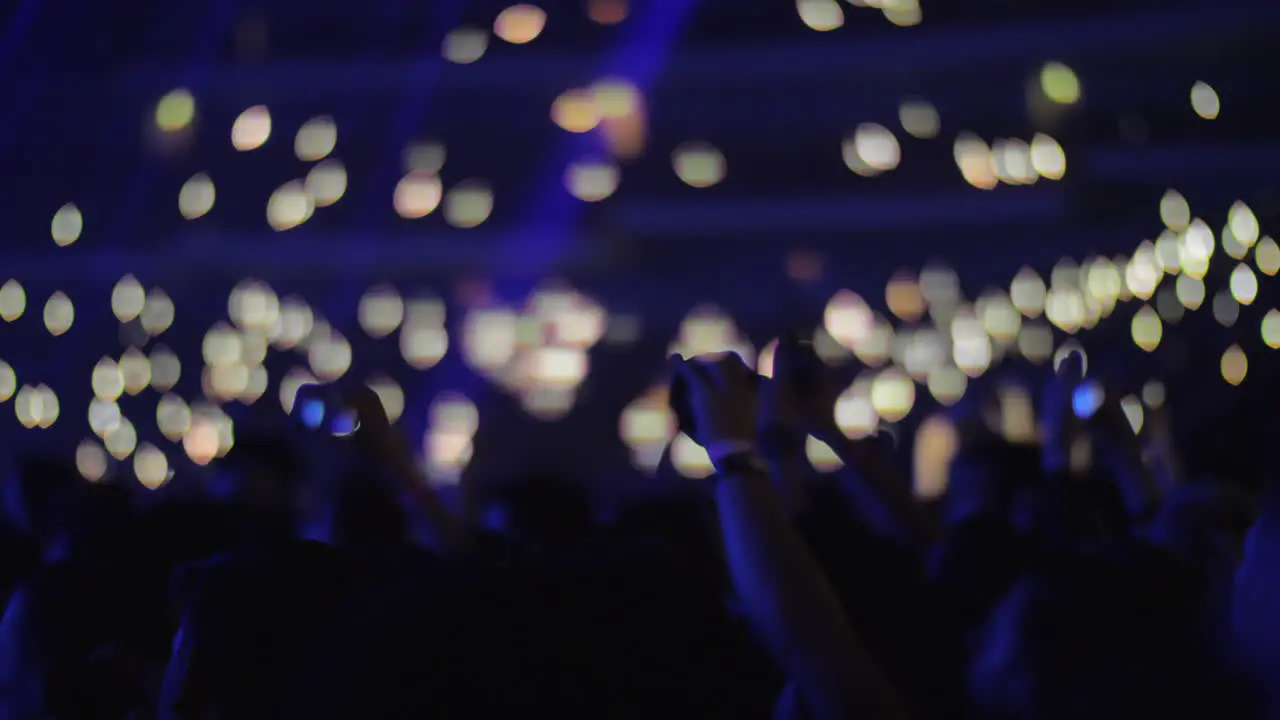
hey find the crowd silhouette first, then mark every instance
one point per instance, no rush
(1033, 589)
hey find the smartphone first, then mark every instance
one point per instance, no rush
(321, 408)
(1086, 399)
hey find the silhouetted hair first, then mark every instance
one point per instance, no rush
(366, 512)
(544, 507)
(46, 484)
(266, 451)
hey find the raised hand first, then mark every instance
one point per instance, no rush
(798, 398)
(1059, 425)
(376, 432)
(385, 445)
(722, 399)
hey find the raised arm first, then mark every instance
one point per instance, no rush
(384, 445)
(783, 591)
(881, 495)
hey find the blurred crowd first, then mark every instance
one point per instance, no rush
(1079, 576)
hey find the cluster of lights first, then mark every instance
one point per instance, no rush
(828, 15)
(616, 109)
(965, 339)
(539, 351)
(519, 25)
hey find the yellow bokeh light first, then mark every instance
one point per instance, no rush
(13, 300)
(136, 370)
(91, 461)
(936, 445)
(380, 311)
(1266, 255)
(1190, 291)
(1066, 309)
(1047, 157)
(1000, 317)
(855, 415)
(1059, 83)
(1243, 223)
(166, 369)
(871, 150)
(520, 24)
(1204, 100)
(128, 298)
(464, 45)
(107, 380)
(690, 459)
(699, 165)
(59, 313)
(67, 225)
(326, 182)
(1234, 365)
(253, 305)
(919, 118)
(616, 98)
(1146, 328)
(1131, 406)
(903, 13)
(1013, 162)
(576, 111)
(175, 110)
(1027, 291)
(947, 384)
(417, 195)
(173, 417)
(821, 456)
(892, 394)
(423, 338)
(970, 345)
(315, 139)
(251, 129)
(1244, 284)
(158, 313)
(1270, 335)
(150, 466)
(201, 442)
(976, 162)
(903, 297)
(468, 204)
(591, 181)
(8, 381)
(1231, 244)
(289, 206)
(820, 15)
(196, 196)
(1174, 211)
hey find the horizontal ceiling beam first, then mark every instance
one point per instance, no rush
(915, 51)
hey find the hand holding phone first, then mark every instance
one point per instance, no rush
(678, 397)
(801, 394)
(326, 409)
